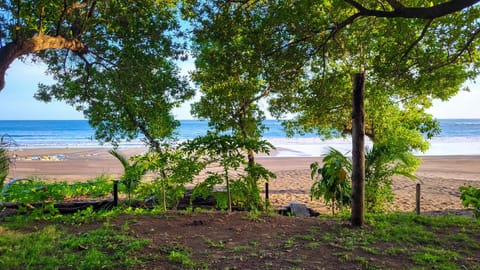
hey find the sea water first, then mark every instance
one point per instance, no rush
(458, 137)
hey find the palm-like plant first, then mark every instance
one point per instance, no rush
(5, 141)
(133, 173)
(4, 166)
(332, 180)
(382, 162)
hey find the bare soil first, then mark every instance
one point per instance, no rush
(220, 240)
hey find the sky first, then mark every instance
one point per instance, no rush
(17, 101)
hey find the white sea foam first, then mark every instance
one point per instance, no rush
(313, 147)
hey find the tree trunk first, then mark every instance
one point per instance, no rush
(17, 48)
(358, 150)
(229, 194)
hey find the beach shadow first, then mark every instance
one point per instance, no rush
(288, 191)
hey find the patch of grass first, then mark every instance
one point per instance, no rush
(240, 248)
(254, 216)
(343, 256)
(180, 257)
(464, 239)
(306, 237)
(50, 248)
(314, 245)
(441, 258)
(220, 244)
(362, 260)
(327, 237)
(254, 244)
(289, 243)
(392, 251)
(371, 250)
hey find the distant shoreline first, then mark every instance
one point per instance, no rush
(459, 137)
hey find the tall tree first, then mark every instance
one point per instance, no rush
(87, 30)
(113, 60)
(410, 52)
(231, 88)
(407, 63)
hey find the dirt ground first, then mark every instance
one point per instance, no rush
(220, 240)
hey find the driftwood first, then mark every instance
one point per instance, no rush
(63, 207)
(69, 207)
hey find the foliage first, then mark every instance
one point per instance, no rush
(308, 50)
(382, 162)
(471, 198)
(227, 151)
(332, 180)
(113, 60)
(4, 166)
(232, 92)
(5, 141)
(290, 49)
(32, 190)
(232, 89)
(173, 169)
(132, 173)
(50, 248)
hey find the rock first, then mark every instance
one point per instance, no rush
(299, 210)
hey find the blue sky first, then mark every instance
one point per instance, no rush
(17, 102)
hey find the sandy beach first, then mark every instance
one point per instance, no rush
(440, 176)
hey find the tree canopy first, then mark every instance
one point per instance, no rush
(305, 52)
(114, 60)
(410, 53)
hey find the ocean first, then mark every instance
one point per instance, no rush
(458, 137)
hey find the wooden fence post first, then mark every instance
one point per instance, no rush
(267, 203)
(115, 192)
(417, 199)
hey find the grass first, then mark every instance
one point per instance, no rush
(50, 248)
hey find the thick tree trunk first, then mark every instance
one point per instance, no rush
(358, 150)
(15, 49)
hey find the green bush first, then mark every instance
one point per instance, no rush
(4, 167)
(32, 190)
(382, 162)
(471, 198)
(332, 181)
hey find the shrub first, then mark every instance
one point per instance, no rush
(332, 180)
(381, 164)
(471, 198)
(4, 166)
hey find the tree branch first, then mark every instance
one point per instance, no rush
(69, 9)
(13, 50)
(400, 11)
(334, 30)
(459, 53)
(422, 35)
